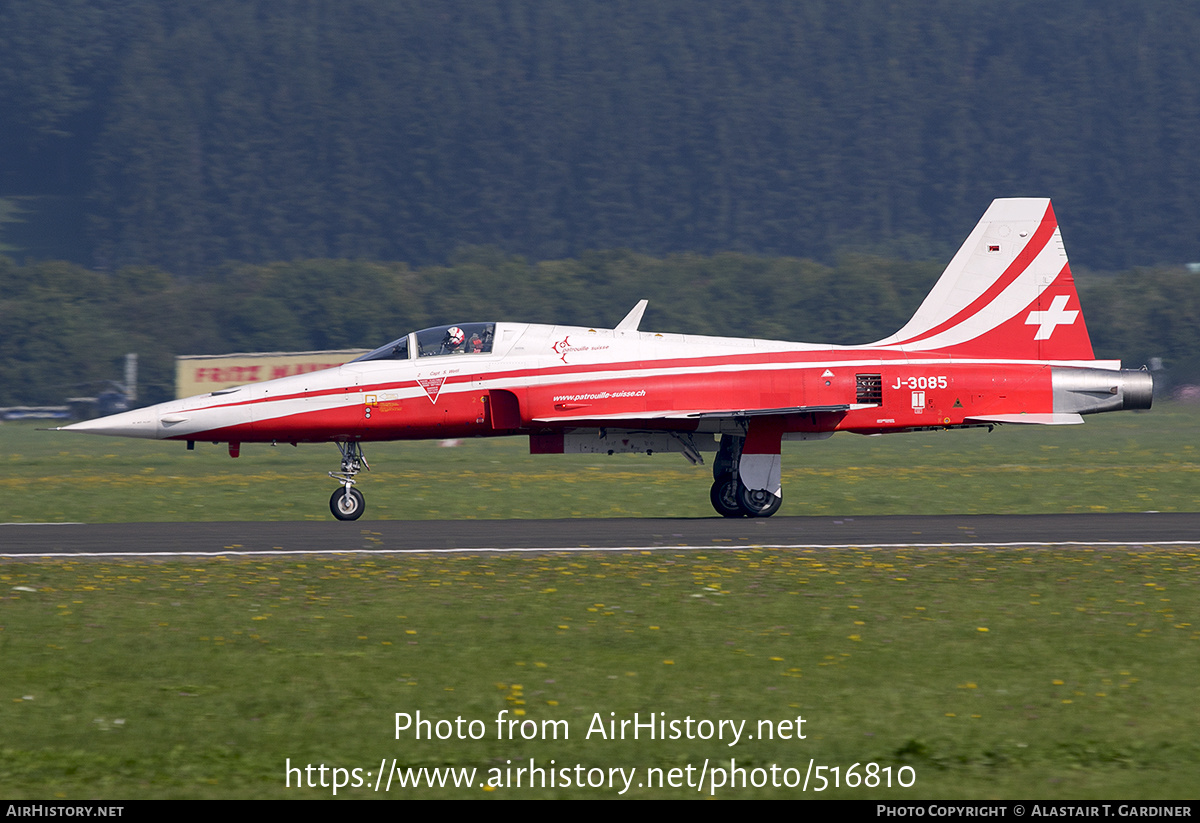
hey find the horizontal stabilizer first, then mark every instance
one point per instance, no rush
(1030, 419)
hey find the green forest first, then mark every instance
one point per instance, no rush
(67, 327)
(246, 175)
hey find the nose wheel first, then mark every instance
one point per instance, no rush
(348, 503)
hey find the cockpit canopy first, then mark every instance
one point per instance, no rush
(463, 338)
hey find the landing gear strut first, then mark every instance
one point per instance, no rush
(347, 503)
(729, 496)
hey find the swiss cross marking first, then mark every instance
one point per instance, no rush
(1050, 319)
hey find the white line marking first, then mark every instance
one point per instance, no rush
(578, 549)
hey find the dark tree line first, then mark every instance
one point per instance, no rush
(195, 133)
(65, 327)
(412, 162)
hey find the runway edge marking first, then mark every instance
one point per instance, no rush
(606, 550)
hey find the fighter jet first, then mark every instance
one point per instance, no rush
(1000, 339)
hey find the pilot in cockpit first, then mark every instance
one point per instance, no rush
(453, 343)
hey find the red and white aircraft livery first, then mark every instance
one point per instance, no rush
(1000, 339)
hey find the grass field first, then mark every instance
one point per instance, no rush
(976, 673)
(1115, 462)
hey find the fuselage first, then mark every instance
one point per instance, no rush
(537, 378)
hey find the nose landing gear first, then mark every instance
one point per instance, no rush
(348, 503)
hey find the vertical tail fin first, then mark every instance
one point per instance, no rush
(1007, 293)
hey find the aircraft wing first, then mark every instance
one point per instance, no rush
(739, 413)
(676, 414)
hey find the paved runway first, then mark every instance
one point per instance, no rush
(20, 540)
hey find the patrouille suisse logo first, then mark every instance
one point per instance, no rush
(562, 347)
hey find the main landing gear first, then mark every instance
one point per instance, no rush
(729, 496)
(347, 503)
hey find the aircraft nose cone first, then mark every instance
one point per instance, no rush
(136, 423)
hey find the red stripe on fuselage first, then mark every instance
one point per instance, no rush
(941, 393)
